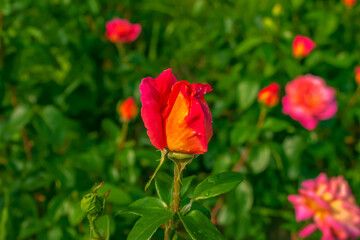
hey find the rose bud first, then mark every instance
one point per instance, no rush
(127, 109)
(93, 204)
(122, 31)
(302, 46)
(269, 95)
(308, 99)
(329, 203)
(176, 114)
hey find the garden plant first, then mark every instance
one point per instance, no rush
(194, 119)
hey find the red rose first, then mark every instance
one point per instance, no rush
(176, 114)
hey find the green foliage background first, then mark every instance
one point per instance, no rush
(61, 79)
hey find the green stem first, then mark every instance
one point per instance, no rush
(172, 226)
(124, 131)
(93, 229)
(4, 214)
(121, 50)
(177, 188)
(353, 99)
(263, 112)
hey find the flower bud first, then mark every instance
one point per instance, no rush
(269, 95)
(127, 109)
(92, 204)
(302, 46)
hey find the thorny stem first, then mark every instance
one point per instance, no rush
(176, 202)
(177, 189)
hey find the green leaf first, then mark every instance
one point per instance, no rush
(30, 227)
(142, 206)
(259, 158)
(217, 184)
(163, 185)
(186, 183)
(247, 45)
(247, 92)
(103, 226)
(146, 226)
(117, 195)
(276, 125)
(19, 117)
(243, 132)
(56, 123)
(75, 214)
(200, 227)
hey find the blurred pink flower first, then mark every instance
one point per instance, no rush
(302, 46)
(349, 3)
(308, 99)
(357, 74)
(331, 205)
(122, 31)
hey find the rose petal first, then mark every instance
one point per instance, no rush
(309, 229)
(154, 97)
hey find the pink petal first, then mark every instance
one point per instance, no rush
(309, 229)
(135, 32)
(154, 97)
(303, 213)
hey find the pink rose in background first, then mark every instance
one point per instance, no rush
(122, 31)
(302, 46)
(331, 205)
(349, 3)
(308, 99)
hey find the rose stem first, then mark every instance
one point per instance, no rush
(263, 112)
(176, 203)
(93, 229)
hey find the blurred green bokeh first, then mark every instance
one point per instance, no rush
(61, 79)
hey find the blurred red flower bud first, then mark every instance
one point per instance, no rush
(122, 31)
(127, 109)
(302, 46)
(269, 95)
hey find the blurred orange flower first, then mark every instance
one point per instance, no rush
(127, 109)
